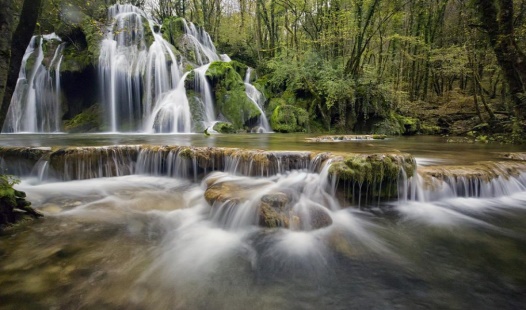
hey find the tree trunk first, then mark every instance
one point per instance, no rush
(497, 19)
(7, 24)
(21, 37)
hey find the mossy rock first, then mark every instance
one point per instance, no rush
(82, 44)
(173, 29)
(224, 127)
(75, 60)
(87, 121)
(396, 125)
(374, 176)
(196, 110)
(287, 118)
(230, 97)
(429, 129)
(13, 204)
(240, 68)
(388, 126)
(410, 125)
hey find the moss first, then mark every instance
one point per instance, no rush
(196, 110)
(372, 176)
(186, 152)
(87, 121)
(224, 127)
(395, 124)
(388, 126)
(12, 202)
(410, 125)
(82, 44)
(173, 29)
(287, 118)
(427, 129)
(275, 102)
(239, 67)
(75, 60)
(230, 97)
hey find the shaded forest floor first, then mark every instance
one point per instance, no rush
(456, 115)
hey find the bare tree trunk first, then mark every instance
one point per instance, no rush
(7, 24)
(21, 37)
(497, 19)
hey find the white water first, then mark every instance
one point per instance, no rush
(171, 112)
(259, 100)
(151, 240)
(203, 87)
(204, 49)
(36, 102)
(125, 60)
(143, 86)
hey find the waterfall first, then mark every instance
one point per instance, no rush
(143, 86)
(203, 87)
(125, 60)
(171, 112)
(259, 100)
(35, 105)
(204, 48)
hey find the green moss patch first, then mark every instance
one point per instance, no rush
(287, 118)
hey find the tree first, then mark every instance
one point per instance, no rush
(7, 25)
(497, 17)
(21, 37)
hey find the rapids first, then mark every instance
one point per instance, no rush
(149, 239)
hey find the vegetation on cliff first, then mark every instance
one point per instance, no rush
(389, 67)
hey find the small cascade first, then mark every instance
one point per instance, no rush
(130, 70)
(363, 179)
(36, 102)
(259, 100)
(297, 200)
(204, 49)
(203, 87)
(482, 180)
(171, 113)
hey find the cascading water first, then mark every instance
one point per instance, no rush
(180, 227)
(204, 49)
(259, 100)
(171, 112)
(202, 85)
(143, 86)
(36, 102)
(125, 60)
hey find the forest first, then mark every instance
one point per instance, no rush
(402, 67)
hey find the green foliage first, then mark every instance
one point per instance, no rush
(7, 192)
(230, 97)
(287, 118)
(323, 88)
(224, 127)
(173, 29)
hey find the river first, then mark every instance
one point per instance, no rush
(153, 242)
